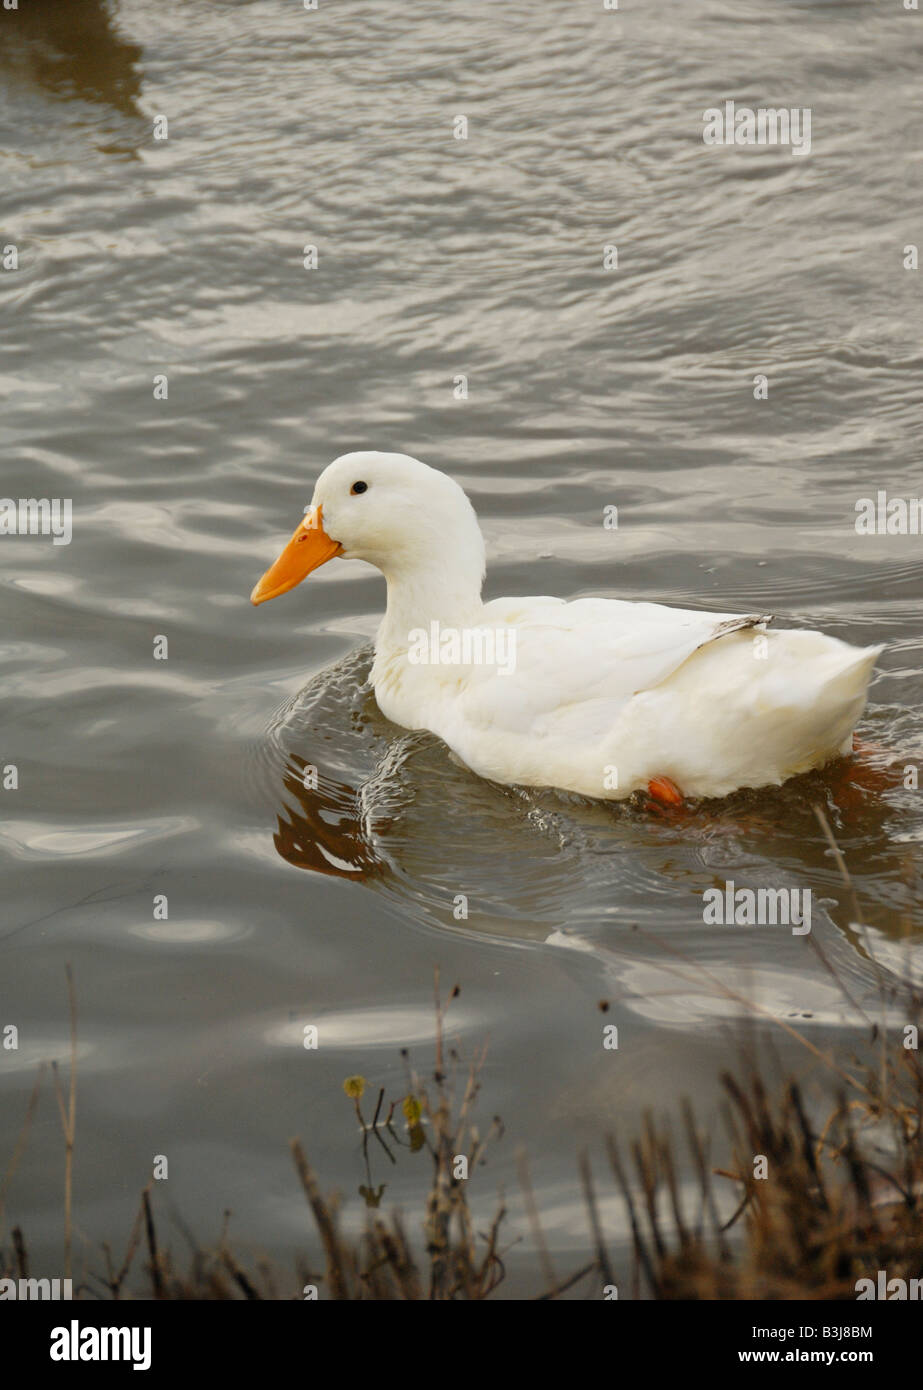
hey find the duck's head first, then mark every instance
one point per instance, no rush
(407, 519)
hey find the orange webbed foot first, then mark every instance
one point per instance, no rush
(664, 790)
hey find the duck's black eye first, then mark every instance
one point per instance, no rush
(359, 487)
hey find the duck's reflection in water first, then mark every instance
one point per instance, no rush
(73, 48)
(325, 834)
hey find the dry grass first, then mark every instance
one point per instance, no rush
(829, 1210)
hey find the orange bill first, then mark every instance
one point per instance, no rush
(309, 547)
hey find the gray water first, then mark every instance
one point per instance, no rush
(587, 387)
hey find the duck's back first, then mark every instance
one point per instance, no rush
(590, 655)
(599, 696)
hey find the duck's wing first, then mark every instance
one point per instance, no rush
(580, 661)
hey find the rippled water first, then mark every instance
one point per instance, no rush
(437, 258)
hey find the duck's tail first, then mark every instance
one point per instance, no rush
(791, 710)
(820, 692)
(845, 690)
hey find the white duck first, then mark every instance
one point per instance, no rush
(595, 695)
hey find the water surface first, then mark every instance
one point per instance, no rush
(437, 258)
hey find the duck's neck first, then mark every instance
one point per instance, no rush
(447, 592)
